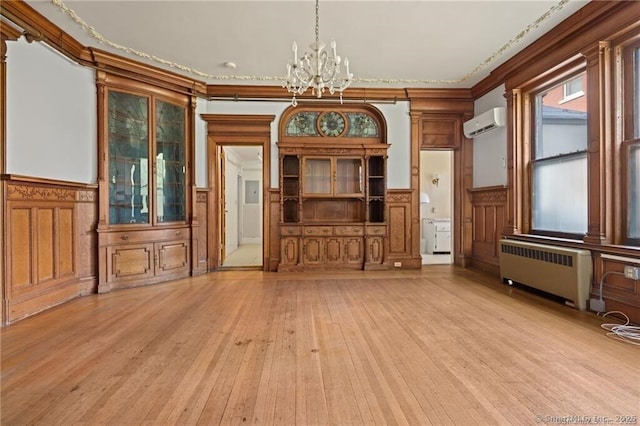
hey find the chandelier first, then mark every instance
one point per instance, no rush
(318, 69)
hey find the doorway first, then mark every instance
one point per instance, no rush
(240, 207)
(436, 206)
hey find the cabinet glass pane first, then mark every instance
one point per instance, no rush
(317, 178)
(170, 162)
(348, 176)
(128, 136)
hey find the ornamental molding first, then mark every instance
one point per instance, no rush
(398, 197)
(26, 192)
(490, 196)
(496, 55)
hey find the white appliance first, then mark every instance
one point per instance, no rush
(437, 235)
(484, 122)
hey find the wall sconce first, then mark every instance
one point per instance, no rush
(424, 198)
(436, 180)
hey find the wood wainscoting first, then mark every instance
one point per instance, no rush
(489, 204)
(401, 230)
(50, 244)
(200, 249)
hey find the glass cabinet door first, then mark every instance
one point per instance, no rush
(348, 176)
(317, 176)
(128, 140)
(170, 162)
(147, 181)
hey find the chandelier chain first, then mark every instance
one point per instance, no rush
(317, 21)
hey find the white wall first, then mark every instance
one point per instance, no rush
(51, 115)
(201, 145)
(398, 135)
(438, 163)
(232, 171)
(490, 149)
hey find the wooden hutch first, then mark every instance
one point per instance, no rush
(332, 171)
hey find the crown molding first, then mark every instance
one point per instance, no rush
(595, 21)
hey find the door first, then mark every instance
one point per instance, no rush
(222, 206)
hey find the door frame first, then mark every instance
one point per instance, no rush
(237, 130)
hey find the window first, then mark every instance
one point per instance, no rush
(572, 89)
(559, 164)
(631, 79)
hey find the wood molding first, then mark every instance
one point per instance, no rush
(596, 21)
(39, 28)
(240, 129)
(248, 92)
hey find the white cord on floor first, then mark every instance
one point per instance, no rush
(625, 332)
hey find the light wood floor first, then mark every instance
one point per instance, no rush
(437, 346)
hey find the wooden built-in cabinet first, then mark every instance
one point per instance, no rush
(332, 189)
(144, 234)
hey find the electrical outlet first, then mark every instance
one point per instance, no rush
(632, 272)
(397, 264)
(597, 305)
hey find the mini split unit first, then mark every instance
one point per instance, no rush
(484, 122)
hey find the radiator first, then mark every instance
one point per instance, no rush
(561, 271)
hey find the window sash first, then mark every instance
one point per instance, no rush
(560, 195)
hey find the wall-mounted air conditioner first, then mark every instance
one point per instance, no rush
(484, 122)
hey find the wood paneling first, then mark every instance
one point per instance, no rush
(201, 257)
(20, 240)
(401, 230)
(489, 207)
(46, 243)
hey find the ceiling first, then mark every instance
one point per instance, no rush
(421, 44)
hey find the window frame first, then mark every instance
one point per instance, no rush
(630, 128)
(549, 82)
(571, 96)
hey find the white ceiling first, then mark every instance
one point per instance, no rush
(390, 43)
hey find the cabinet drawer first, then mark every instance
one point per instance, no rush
(376, 230)
(349, 230)
(318, 230)
(290, 230)
(139, 236)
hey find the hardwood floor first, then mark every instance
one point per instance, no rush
(441, 345)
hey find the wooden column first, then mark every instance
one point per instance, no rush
(599, 156)
(513, 219)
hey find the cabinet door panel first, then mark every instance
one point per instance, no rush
(353, 250)
(289, 251)
(348, 176)
(130, 262)
(375, 249)
(313, 248)
(172, 256)
(128, 139)
(334, 250)
(317, 176)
